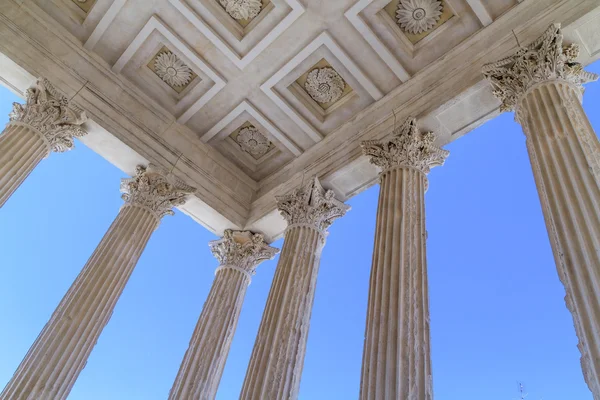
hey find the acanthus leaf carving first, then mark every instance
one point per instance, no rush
(242, 249)
(311, 205)
(408, 147)
(155, 189)
(51, 114)
(543, 60)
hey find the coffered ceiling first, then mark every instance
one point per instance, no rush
(282, 88)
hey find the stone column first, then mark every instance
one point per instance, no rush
(46, 123)
(544, 85)
(60, 352)
(278, 356)
(239, 253)
(397, 356)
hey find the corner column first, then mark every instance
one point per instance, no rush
(277, 359)
(397, 355)
(544, 85)
(46, 123)
(239, 253)
(59, 354)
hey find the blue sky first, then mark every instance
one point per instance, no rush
(497, 309)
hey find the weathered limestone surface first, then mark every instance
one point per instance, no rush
(544, 84)
(46, 123)
(278, 356)
(396, 357)
(59, 354)
(239, 253)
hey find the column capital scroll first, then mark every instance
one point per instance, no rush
(52, 115)
(311, 205)
(155, 189)
(407, 148)
(242, 249)
(543, 60)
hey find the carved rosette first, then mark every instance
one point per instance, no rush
(418, 16)
(172, 69)
(155, 189)
(242, 9)
(252, 141)
(543, 60)
(311, 205)
(242, 249)
(52, 115)
(324, 85)
(407, 148)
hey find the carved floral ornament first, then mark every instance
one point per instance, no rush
(543, 60)
(324, 85)
(51, 114)
(242, 9)
(242, 249)
(252, 141)
(172, 69)
(311, 205)
(407, 148)
(155, 189)
(418, 16)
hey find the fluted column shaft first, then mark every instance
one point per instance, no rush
(239, 253)
(277, 359)
(60, 352)
(565, 157)
(21, 150)
(397, 355)
(204, 361)
(278, 355)
(543, 83)
(396, 358)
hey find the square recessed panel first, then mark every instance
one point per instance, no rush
(322, 80)
(258, 152)
(285, 90)
(248, 17)
(182, 95)
(241, 40)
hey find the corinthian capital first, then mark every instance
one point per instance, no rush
(242, 249)
(407, 148)
(543, 60)
(155, 189)
(311, 205)
(50, 113)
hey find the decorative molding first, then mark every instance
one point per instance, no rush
(353, 15)
(407, 148)
(240, 61)
(154, 24)
(545, 59)
(242, 249)
(311, 205)
(324, 85)
(324, 39)
(246, 106)
(418, 16)
(104, 23)
(155, 189)
(481, 12)
(51, 114)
